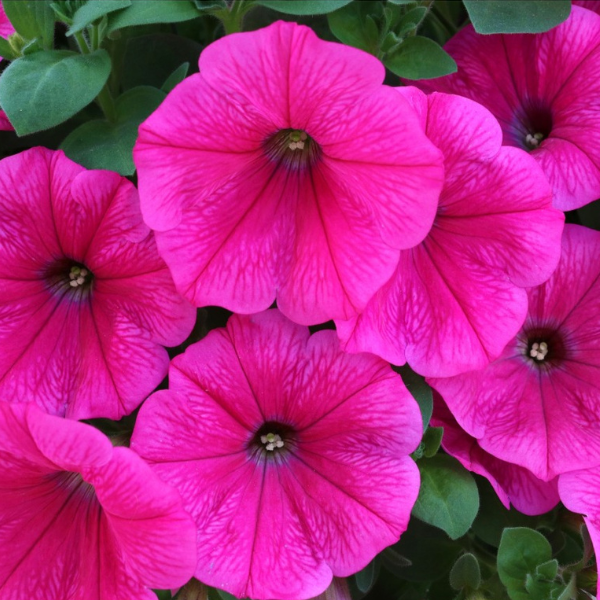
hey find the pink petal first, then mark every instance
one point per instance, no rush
(5, 124)
(6, 27)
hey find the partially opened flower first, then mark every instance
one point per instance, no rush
(514, 484)
(580, 492)
(286, 170)
(81, 519)
(538, 404)
(86, 303)
(458, 298)
(548, 103)
(291, 455)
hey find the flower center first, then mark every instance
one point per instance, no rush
(273, 439)
(539, 351)
(68, 276)
(533, 141)
(534, 124)
(292, 148)
(543, 347)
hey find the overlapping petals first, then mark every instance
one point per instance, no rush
(86, 303)
(291, 455)
(513, 484)
(244, 216)
(538, 405)
(548, 103)
(81, 519)
(458, 298)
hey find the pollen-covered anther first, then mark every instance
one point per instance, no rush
(297, 139)
(272, 441)
(539, 351)
(534, 140)
(78, 276)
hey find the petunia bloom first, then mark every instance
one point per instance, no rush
(6, 29)
(81, 519)
(458, 298)
(580, 492)
(291, 455)
(548, 104)
(86, 303)
(538, 404)
(513, 484)
(285, 170)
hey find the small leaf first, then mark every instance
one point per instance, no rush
(402, 1)
(156, 11)
(448, 497)
(176, 77)
(44, 89)
(226, 595)
(103, 145)
(393, 560)
(304, 7)
(210, 4)
(6, 50)
(93, 10)
(354, 25)
(411, 20)
(420, 391)
(517, 16)
(465, 573)
(548, 570)
(420, 58)
(365, 577)
(432, 440)
(32, 19)
(520, 553)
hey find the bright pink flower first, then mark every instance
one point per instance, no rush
(6, 27)
(86, 303)
(291, 455)
(286, 170)
(81, 519)
(513, 484)
(548, 102)
(580, 492)
(589, 4)
(457, 299)
(538, 405)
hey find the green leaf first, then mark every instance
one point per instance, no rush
(143, 12)
(6, 50)
(225, 595)
(520, 553)
(420, 391)
(448, 497)
(44, 89)
(93, 10)
(432, 440)
(103, 145)
(304, 7)
(465, 573)
(210, 4)
(366, 577)
(354, 25)
(420, 58)
(570, 591)
(411, 20)
(402, 1)
(392, 560)
(177, 76)
(517, 16)
(32, 19)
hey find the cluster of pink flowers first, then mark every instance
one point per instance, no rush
(429, 228)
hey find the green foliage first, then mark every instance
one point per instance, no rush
(420, 58)
(93, 10)
(517, 16)
(355, 26)
(33, 89)
(33, 19)
(176, 77)
(465, 574)
(420, 391)
(103, 145)
(366, 577)
(304, 7)
(156, 11)
(448, 497)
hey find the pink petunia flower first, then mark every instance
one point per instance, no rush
(545, 91)
(513, 484)
(538, 405)
(286, 170)
(86, 303)
(458, 298)
(291, 455)
(81, 519)
(579, 492)
(6, 28)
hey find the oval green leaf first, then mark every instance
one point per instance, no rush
(157, 11)
(517, 16)
(33, 89)
(448, 497)
(93, 10)
(304, 7)
(32, 19)
(420, 58)
(465, 573)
